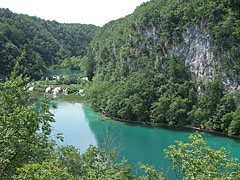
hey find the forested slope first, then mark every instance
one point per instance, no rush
(45, 42)
(172, 62)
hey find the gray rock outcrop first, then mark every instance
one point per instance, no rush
(196, 50)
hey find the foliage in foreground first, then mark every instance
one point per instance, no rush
(189, 161)
(197, 161)
(67, 163)
(24, 131)
(27, 151)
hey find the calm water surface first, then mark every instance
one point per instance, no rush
(81, 126)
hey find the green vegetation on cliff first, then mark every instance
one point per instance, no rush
(137, 76)
(45, 42)
(28, 152)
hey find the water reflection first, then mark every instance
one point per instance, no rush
(82, 126)
(72, 122)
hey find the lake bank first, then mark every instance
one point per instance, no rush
(82, 126)
(188, 127)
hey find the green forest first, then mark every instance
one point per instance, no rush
(136, 75)
(46, 43)
(28, 151)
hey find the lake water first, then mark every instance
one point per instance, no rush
(63, 72)
(81, 126)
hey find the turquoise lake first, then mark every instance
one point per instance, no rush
(81, 126)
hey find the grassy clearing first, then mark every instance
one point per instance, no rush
(72, 97)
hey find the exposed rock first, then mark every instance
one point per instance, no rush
(31, 88)
(56, 90)
(81, 92)
(85, 78)
(56, 77)
(196, 50)
(151, 32)
(48, 89)
(65, 92)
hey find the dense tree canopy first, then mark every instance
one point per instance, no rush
(134, 77)
(45, 42)
(25, 131)
(137, 77)
(27, 151)
(197, 161)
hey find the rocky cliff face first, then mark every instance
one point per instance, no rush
(196, 50)
(206, 40)
(151, 66)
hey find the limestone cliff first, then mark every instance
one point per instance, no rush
(196, 50)
(207, 41)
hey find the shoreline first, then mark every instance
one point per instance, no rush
(70, 99)
(108, 117)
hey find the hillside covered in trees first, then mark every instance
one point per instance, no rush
(45, 43)
(29, 152)
(171, 62)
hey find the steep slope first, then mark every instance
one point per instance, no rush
(45, 42)
(171, 62)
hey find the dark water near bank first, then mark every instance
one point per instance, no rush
(63, 72)
(82, 126)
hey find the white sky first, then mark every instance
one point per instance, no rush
(97, 12)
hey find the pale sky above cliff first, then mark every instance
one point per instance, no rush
(96, 12)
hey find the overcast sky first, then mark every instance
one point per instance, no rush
(96, 12)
